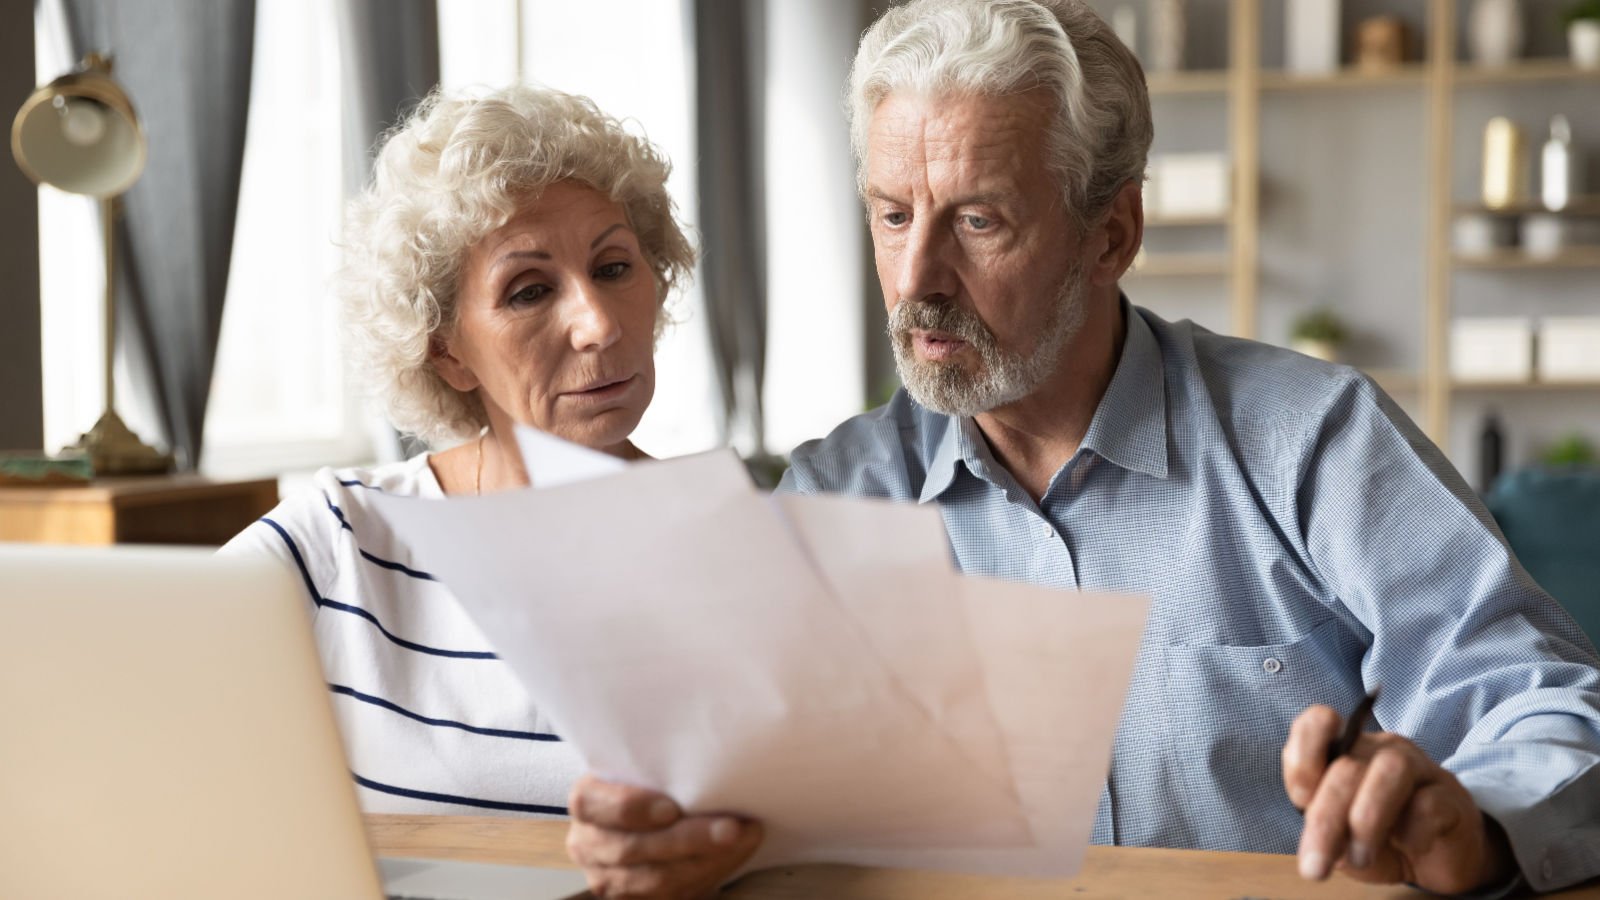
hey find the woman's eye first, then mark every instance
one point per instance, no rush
(533, 293)
(612, 271)
(979, 223)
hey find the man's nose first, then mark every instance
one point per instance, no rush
(925, 272)
(595, 324)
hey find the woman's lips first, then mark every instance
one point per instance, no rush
(936, 346)
(602, 391)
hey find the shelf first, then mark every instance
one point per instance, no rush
(1408, 75)
(1184, 221)
(1575, 258)
(1461, 386)
(1579, 206)
(1170, 265)
(1395, 381)
(1197, 82)
(1533, 70)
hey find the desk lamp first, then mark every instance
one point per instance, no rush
(79, 134)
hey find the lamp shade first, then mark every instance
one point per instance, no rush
(79, 133)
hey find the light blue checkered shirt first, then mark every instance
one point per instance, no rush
(1303, 542)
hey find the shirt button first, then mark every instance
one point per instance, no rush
(1049, 532)
(1271, 666)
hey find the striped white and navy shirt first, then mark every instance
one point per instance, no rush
(432, 721)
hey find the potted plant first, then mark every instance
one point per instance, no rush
(1571, 452)
(1318, 333)
(1583, 33)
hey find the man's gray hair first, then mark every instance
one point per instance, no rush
(1099, 136)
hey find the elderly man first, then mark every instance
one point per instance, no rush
(1303, 542)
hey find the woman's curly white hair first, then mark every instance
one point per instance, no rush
(458, 168)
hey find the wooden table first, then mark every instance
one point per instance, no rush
(164, 509)
(1107, 871)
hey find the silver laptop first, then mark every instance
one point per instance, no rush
(165, 732)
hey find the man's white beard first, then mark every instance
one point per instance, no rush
(1004, 376)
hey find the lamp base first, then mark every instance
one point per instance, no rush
(113, 449)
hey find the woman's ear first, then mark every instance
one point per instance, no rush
(450, 367)
(1122, 233)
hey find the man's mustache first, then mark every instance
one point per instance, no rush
(922, 315)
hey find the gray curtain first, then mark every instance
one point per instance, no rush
(186, 64)
(390, 53)
(21, 376)
(729, 37)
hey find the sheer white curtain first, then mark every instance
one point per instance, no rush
(279, 396)
(817, 249)
(631, 58)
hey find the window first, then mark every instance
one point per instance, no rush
(279, 397)
(278, 394)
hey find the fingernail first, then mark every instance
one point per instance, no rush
(1313, 865)
(725, 831)
(663, 811)
(1360, 854)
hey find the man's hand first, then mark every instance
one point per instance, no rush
(637, 843)
(1387, 813)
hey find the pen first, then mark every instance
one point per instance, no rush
(1353, 727)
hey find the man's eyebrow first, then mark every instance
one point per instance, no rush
(878, 194)
(984, 199)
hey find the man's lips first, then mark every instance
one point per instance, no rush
(937, 345)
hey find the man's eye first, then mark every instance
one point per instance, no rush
(533, 293)
(979, 223)
(895, 218)
(612, 271)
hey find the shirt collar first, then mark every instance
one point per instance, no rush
(961, 444)
(1129, 427)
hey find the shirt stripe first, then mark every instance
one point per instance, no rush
(327, 603)
(440, 723)
(435, 797)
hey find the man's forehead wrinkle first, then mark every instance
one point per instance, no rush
(945, 149)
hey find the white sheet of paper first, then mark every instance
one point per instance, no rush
(552, 462)
(888, 565)
(814, 662)
(693, 649)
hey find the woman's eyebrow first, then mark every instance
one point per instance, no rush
(604, 234)
(521, 254)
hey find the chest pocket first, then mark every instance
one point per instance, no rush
(1229, 709)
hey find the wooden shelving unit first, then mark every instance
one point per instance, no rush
(1406, 76)
(1465, 386)
(1524, 72)
(1200, 82)
(1185, 221)
(1396, 381)
(1440, 78)
(1578, 206)
(1572, 258)
(1182, 265)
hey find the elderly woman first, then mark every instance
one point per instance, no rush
(509, 265)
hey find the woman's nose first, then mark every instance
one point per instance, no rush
(595, 324)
